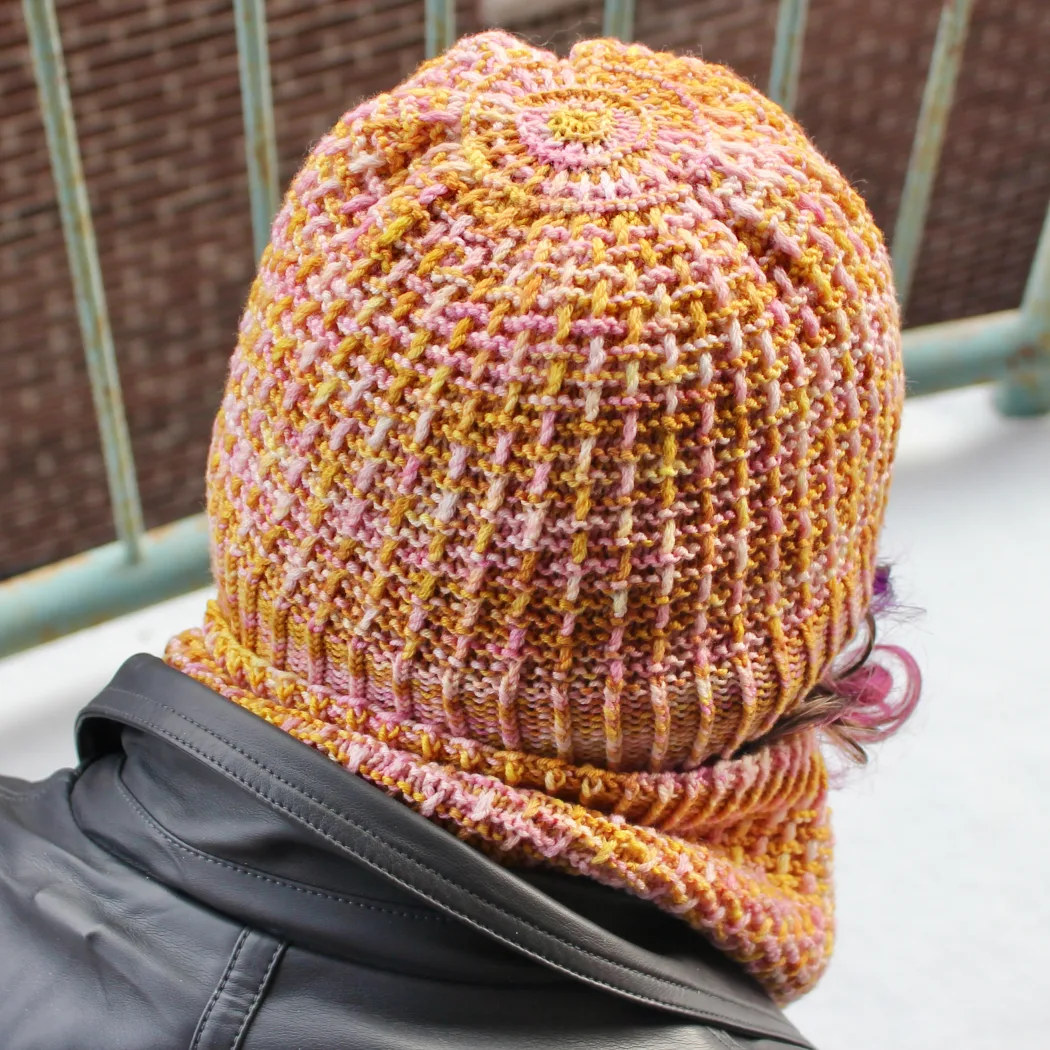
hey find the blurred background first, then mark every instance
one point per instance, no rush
(944, 852)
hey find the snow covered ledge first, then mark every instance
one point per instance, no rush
(943, 852)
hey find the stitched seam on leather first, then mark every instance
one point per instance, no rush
(363, 830)
(202, 1025)
(250, 1012)
(413, 862)
(24, 794)
(725, 1039)
(145, 816)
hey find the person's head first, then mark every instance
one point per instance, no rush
(563, 409)
(559, 428)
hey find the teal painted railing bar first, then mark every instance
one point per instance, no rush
(50, 70)
(1026, 391)
(439, 26)
(960, 353)
(260, 138)
(1036, 301)
(94, 587)
(937, 99)
(618, 19)
(787, 53)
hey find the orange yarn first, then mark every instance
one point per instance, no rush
(550, 471)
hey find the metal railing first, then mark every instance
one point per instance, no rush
(141, 568)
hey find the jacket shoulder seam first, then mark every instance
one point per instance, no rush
(264, 983)
(216, 994)
(236, 998)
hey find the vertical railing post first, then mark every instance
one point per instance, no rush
(787, 53)
(926, 146)
(439, 26)
(49, 68)
(1026, 389)
(260, 139)
(618, 20)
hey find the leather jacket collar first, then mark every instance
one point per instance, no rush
(223, 807)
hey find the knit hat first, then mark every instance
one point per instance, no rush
(550, 470)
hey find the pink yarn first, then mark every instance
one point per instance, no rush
(877, 706)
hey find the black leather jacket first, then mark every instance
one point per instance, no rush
(203, 881)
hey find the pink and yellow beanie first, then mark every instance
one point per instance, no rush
(549, 473)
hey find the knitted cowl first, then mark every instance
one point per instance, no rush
(550, 469)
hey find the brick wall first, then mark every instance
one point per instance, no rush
(155, 92)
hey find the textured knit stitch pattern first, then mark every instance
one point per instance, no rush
(550, 471)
